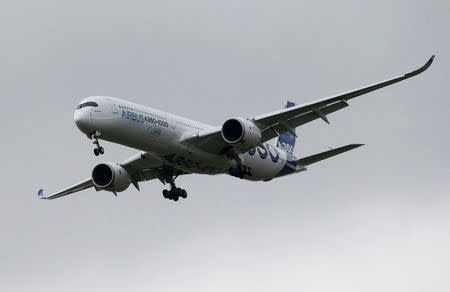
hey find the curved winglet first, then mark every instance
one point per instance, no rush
(41, 194)
(421, 69)
(429, 62)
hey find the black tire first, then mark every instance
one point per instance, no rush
(101, 150)
(96, 152)
(175, 198)
(183, 194)
(166, 194)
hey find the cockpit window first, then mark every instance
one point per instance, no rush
(89, 103)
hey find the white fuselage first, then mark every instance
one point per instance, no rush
(159, 133)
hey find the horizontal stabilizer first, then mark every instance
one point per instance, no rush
(327, 154)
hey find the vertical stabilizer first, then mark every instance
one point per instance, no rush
(286, 140)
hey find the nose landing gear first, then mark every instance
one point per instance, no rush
(99, 149)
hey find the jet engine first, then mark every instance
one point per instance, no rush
(241, 133)
(110, 177)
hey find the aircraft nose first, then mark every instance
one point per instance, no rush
(83, 121)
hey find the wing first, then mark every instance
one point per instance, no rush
(73, 189)
(274, 123)
(301, 114)
(141, 167)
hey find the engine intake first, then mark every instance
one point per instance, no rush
(232, 131)
(110, 177)
(241, 133)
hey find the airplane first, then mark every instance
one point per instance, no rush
(171, 145)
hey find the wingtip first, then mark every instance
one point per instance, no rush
(430, 61)
(41, 194)
(421, 69)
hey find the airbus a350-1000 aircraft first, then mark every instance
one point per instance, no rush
(172, 146)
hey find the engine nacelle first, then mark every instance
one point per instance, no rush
(241, 133)
(110, 177)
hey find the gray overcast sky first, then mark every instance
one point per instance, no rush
(376, 218)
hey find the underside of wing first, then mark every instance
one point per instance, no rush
(70, 190)
(145, 166)
(209, 140)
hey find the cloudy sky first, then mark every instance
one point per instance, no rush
(376, 218)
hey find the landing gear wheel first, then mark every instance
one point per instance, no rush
(240, 171)
(174, 193)
(241, 168)
(98, 149)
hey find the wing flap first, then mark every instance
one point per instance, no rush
(272, 132)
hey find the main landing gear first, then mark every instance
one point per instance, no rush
(240, 171)
(99, 149)
(174, 193)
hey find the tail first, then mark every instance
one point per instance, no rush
(286, 140)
